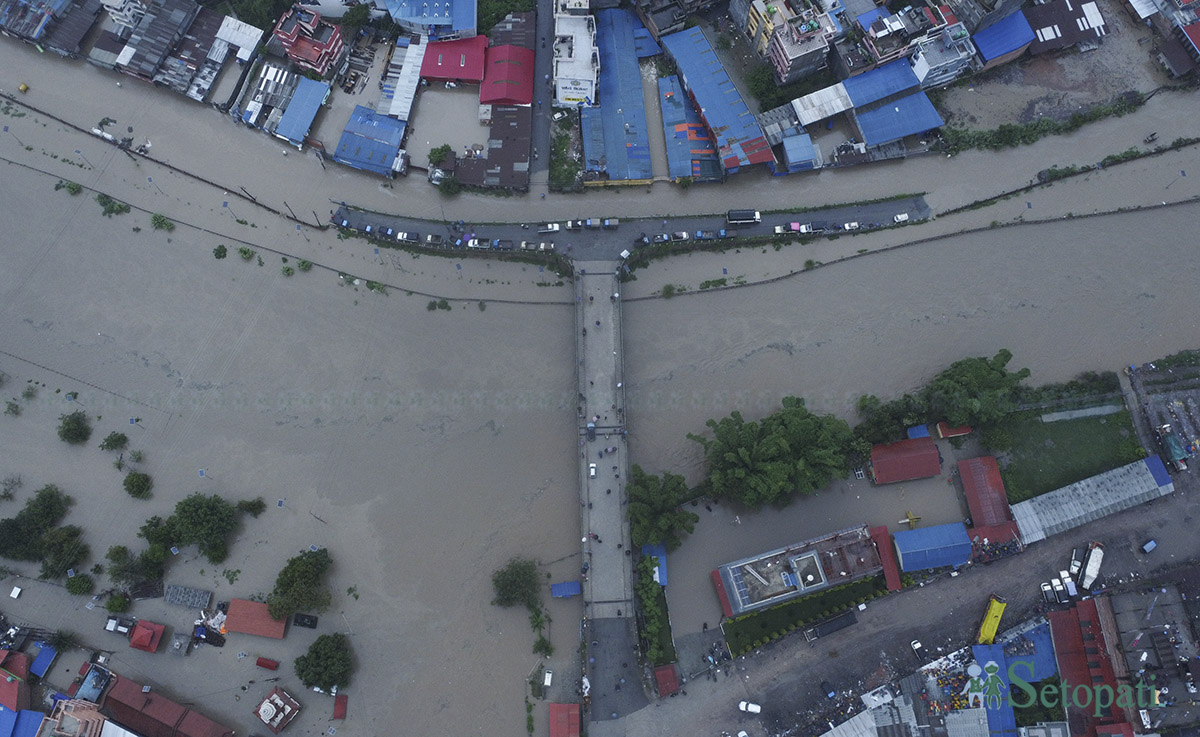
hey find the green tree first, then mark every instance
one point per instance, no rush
(886, 421)
(301, 584)
(114, 441)
(117, 603)
(517, 583)
(328, 662)
(438, 156)
(74, 428)
(80, 585)
(63, 641)
(207, 522)
(975, 391)
(655, 514)
(21, 536)
(220, 252)
(450, 186)
(791, 451)
(161, 222)
(62, 548)
(354, 19)
(138, 484)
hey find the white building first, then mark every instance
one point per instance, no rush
(125, 13)
(576, 58)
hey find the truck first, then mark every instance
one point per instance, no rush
(831, 625)
(501, 244)
(611, 223)
(591, 223)
(574, 225)
(1068, 582)
(743, 217)
(1091, 568)
(1173, 447)
(548, 227)
(712, 235)
(991, 620)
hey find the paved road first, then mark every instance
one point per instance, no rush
(607, 245)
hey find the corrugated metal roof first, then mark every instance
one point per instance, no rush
(984, 489)
(905, 460)
(860, 725)
(507, 76)
(739, 139)
(622, 104)
(370, 141)
(301, 110)
(887, 80)
(691, 151)
(1099, 496)
(894, 120)
(239, 33)
(933, 547)
(1004, 37)
(822, 104)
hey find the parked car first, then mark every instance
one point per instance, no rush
(591, 470)
(850, 226)
(1076, 563)
(574, 225)
(304, 620)
(408, 237)
(661, 237)
(901, 218)
(433, 239)
(641, 240)
(560, 115)
(681, 236)
(749, 707)
(1048, 593)
(917, 649)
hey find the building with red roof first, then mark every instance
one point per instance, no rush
(666, 679)
(564, 720)
(461, 60)
(916, 458)
(507, 76)
(146, 636)
(310, 42)
(14, 680)
(253, 618)
(151, 714)
(1085, 657)
(991, 517)
(945, 431)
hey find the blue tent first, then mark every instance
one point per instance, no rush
(43, 661)
(918, 431)
(933, 547)
(566, 589)
(659, 551)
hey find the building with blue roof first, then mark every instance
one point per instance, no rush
(740, 140)
(940, 546)
(616, 141)
(43, 661)
(800, 154)
(880, 83)
(897, 119)
(1002, 721)
(371, 142)
(658, 552)
(1004, 40)
(438, 19)
(298, 118)
(691, 150)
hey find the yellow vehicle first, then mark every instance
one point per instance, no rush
(991, 620)
(23, 87)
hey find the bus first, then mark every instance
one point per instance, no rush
(991, 620)
(743, 217)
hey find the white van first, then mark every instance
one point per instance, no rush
(901, 218)
(850, 226)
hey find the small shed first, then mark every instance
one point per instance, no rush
(146, 636)
(658, 551)
(565, 590)
(945, 431)
(564, 720)
(253, 618)
(43, 661)
(933, 547)
(666, 679)
(916, 458)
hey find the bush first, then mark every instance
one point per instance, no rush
(301, 584)
(287, 271)
(161, 222)
(138, 484)
(207, 522)
(114, 441)
(432, 305)
(74, 428)
(304, 265)
(80, 585)
(668, 291)
(252, 507)
(117, 603)
(438, 156)
(61, 549)
(328, 663)
(517, 583)
(110, 207)
(12, 409)
(21, 536)
(245, 253)
(220, 252)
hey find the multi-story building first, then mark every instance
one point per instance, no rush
(125, 13)
(764, 18)
(576, 58)
(310, 42)
(977, 15)
(440, 20)
(667, 16)
(889, 37)
(801, 46)
(942, 57)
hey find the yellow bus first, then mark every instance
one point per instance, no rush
(991, 620)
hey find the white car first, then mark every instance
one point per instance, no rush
(901, 218)
(850, 226)
(591, 470)
(916, 648)
(749, 707)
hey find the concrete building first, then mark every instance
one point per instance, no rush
(801, 46)
(309, 42)
(977, 15)
(942, 57)
(125, 13)
(763, 20)
(440, 20)
(890, 37)
(667, 16)
(576, 58)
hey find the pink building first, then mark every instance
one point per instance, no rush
(309, 41)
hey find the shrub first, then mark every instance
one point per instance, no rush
(304, 265)
(138, 484)
(287, 271)
(220, 252)
(110, 207)
(246, 253)
(668, 291)
(161, 222)
(117, 603)
(443, 304)
(12, 409)
(301, 584)
(80, 585)
(114, 441)
(74, 428)
(328, 662)
(29, 392)
(432, 305)
(136, 456)
(252, 507)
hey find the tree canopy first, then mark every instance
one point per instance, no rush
(21, 536)
(74, 428)
(301, 584)
(655, 514)
(975, 391)
(328, 662)
(207, 522)
(517, 583)
(791, 451)
(62, 548)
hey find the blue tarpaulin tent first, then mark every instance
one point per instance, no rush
(658, 550)
(565, 590)
(919, 431)
(43, 661)
(933, 547)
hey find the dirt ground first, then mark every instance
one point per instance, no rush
(1060, 83)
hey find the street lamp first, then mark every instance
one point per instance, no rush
(14, 135)
(80, 153)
